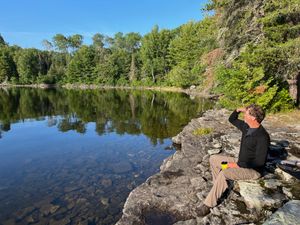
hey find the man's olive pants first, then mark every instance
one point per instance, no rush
(220, 176)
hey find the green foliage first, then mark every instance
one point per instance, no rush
(261, 50)
(47, 45)
(28, 65)
(47, 79)
(215, 4)
(260, 73)
(75, 41)
(202, 131)
(186, 49)
(281, 22)
(118, 64)
(182, 76)
(247, 82)
(81, 68)
(122, 81)
(155, 114)
(104, 73)
(45, 61)
(32, 65)
(146, 81)
(282, 29)
(119, 61)
(282, 101)
(64, 44)
(154, 53)
(98, 40)
(7, 64)
(61, 42)
(133, 42)
(124, 59)
(194, 39)
(58, 67)
(2, 42)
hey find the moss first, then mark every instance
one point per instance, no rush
(261, 183)
(295, 190)
(241, 206)
(202, 131)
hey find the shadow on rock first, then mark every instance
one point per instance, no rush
(156, 217)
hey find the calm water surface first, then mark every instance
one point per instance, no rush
(73, 156)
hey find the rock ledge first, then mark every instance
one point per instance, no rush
(171, 196)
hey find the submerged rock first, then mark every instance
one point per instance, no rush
(105, 182)
(104, 201)
(121, 167)
(49, 209)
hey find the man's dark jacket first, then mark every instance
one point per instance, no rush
(254, 147)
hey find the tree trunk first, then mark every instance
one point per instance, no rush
(298, 101)
(298, 90)
(132, 105)
(152, 101)
(132, 72)
(152, 74)
(293, 89)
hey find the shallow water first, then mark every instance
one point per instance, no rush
(73, 156)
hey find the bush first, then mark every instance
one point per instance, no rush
(241, 85)
(147, 81)
(122, 82)
(180, 76)
(47, 79)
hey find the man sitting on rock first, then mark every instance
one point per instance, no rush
(252, 156)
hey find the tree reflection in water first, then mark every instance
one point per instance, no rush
(158, 115)
(44, 167)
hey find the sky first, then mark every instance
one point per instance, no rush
(28, 22)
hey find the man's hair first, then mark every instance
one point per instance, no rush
(257, 112)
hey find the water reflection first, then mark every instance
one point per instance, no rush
(72, 156)
(113, 111)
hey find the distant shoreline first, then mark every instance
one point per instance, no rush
(44, 86)
(190, 91)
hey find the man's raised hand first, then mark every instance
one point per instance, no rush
(243, 110)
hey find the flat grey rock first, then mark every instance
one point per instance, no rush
(214, 151)
(289, 214)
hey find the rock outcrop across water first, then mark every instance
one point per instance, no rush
(184, 180)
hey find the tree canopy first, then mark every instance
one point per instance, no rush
(258, 55)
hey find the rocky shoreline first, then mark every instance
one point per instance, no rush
(171, 196)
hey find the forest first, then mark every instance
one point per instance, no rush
(161, 57)
(242, 51)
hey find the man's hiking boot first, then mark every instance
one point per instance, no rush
(202, 210)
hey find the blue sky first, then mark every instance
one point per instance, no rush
(28, 22)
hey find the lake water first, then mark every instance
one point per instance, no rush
(73, 156)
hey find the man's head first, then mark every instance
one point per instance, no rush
(254, 114)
